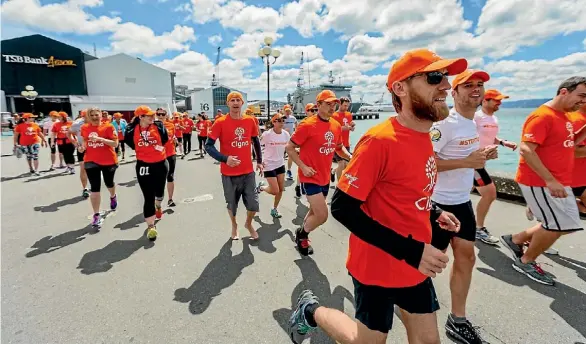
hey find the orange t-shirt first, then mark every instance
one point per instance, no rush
(579, 176)
(209, 123)
(318, 140)
(553, 132)
(62, 130)
(343, 119)
(29, 133)
(178, 130)
(170, 145)
(235, 137)
(188, 124)
(99, 152)
(393, 170)
(148, 144)
(202, 127)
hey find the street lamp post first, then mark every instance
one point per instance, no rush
(267, 52)
(30, 94)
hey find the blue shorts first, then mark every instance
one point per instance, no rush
(311, 189)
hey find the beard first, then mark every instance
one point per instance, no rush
(428, 110)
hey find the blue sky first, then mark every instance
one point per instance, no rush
(527, 53)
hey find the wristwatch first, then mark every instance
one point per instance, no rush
(502, 143)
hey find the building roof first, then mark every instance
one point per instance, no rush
(219, 85)
(123, 56)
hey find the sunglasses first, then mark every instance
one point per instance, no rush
(433, 78)
(279, 120)
(312, 110)
(161, 114)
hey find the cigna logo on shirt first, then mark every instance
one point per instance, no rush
(569, 142)
(238, 141)
(93, 144)
(327, 148)
(146, 139)
(30, 131)
(424, 203)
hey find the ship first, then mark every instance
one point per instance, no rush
(378, 106)
(303, 95)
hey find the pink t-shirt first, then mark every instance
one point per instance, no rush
(274, 153)
(488, 128)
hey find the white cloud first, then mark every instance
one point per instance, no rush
(132, 38)
(246, 46)
(215, 39)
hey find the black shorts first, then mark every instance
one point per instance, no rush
(311, 189)
(464, 212)
(578, 191)
(274, 173)
(481, 177)
(80, 156)
(53, 148)
(338, 158)
(375, 306)
(180, 139)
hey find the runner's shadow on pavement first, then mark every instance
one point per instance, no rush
(129, 183)
(197, 157)
(300, 211)
(51, 243)
(22, 175)
(220, 273)
(48, 176)
(135, 221)
(268, 233)
(314, 280)
(55, 206)
(103, 259)
(567, 302)
(572, 264)
(288, 183)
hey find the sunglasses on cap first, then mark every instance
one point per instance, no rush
(433, 78)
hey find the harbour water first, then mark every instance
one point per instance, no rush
(510, 123)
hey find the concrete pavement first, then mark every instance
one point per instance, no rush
(61, 283)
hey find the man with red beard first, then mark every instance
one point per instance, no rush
(384, 199)
(456, 144)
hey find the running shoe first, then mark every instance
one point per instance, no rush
(299, 328)
(158, 212)
(298, 191)
(97, 220)
(303, 242)
(170, 203)
(462, 332)
(51, 169)
(37, 173)
(258, 188)
(483, 235)
(114, 202)
(152, 233)
(85, 193)
(516, 250)
(275, 213)
(533, 271)
(289, 175)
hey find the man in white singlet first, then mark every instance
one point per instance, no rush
(488, 128)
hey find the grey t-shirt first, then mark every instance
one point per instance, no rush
(289, 125)
(76, 129)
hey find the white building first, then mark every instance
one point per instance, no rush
(210, 99)
(122, 83)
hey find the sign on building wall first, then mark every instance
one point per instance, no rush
(49, 62)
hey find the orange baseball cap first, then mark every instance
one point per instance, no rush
(62, 114)
(248, 111)
(28, 115)
(422, 60)
(117, 115)
(143, 110)
(277, 116)
(53, 113)
(309, 106)
(327, 96)
(469, 73)
(233, 95)
(286, 107)
(494, 94)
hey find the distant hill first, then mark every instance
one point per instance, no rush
(526, 103)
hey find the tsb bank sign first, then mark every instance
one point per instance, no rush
(49, 62)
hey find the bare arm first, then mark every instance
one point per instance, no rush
(343, 153)
(527, 151)
(580, 135)
(580, 152)
(290, 148)
(452, 164)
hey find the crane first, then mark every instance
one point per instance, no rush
(216, 75)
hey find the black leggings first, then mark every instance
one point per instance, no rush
(67, 149)
(151, 179)
(171, 160)
(120, 146)
(94, 170)
(202, 141)
(186, 143)
(53, 147)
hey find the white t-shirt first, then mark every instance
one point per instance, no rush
(289, 125)
(488, 128)
(274, 153)
(455, 137)
(48, 125)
